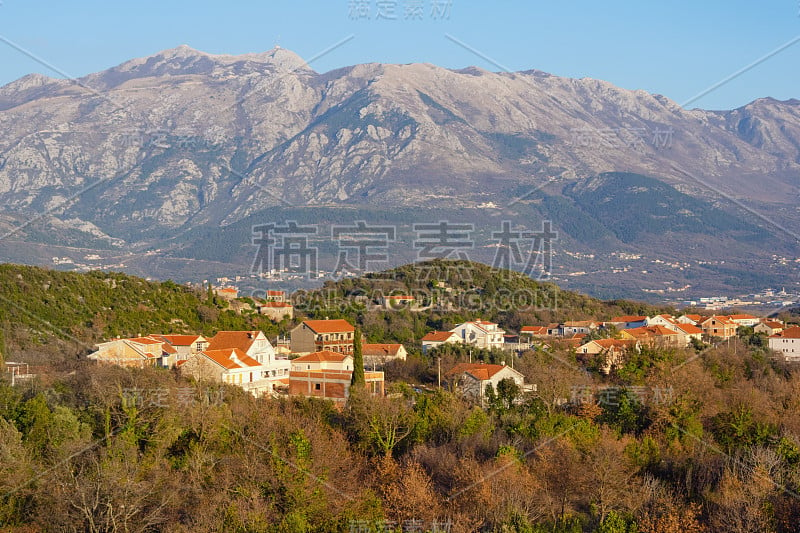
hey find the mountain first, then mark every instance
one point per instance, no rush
(169, 152)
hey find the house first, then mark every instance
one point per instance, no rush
(227, 293)
(255, 345)
(184, 347)
(769, 327)
(232, 366)
(690, 319)
(377, 355)
(137, 352)
(437, 338)
(471, 379)
(533, 331)
(655, 336)
(276, 311)
(787, 342)
(571, 328)
(627, 322)
(691, 331)
(745, 320)
(397, 301)
(317, 335)
(662, 320)
(327, 374)
(718, 326)
(275, 296)
(480, 333)
(611, 350)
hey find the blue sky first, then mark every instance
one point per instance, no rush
(677, 49)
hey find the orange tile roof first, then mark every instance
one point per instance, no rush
(178, 340)
(693, 317)
(689, 329)
(438, 336)
(329, 326)
(722, 319)
(618, 343)
(381, 349)
(322, 356)
(479, 371)
(144, 340)
(276, 293)
(229, 289)
(224, 340)
(742, 317)
(789, 333)
(533, 329)
(774, 324)
(650, 331)
(225, 358)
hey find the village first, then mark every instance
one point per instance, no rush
(317, 357)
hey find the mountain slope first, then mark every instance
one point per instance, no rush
(143, 154)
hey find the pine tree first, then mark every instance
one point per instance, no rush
(358, 378)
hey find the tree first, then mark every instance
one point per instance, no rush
(358, 379)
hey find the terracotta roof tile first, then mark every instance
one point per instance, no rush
(438, 336)
(380, 349)
(231, 359)
(321, 356)
(329, 326)
(225, 340)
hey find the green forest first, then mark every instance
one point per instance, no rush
(702, 439)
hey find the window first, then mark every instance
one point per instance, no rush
(317, 386)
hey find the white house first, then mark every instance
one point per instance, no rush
(661, 320)
(480, 333)
(377, 355)
(437, 338)
(787, 342)
(231, 366)
(745, 320)
(255, 345)
(471, 379)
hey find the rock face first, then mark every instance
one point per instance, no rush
(185, 139)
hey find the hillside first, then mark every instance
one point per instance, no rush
(46, 312)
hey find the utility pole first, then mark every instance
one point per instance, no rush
(439, 371)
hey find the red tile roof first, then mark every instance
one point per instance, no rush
(438, 336)
(650, 331)
(617, 343)
(742, 317)
(178, 340)
(534, 329)
(381, 349)
(689, 329)
(231, 359)
(789, 333)
(321, 356)
(145, 340)
(479, 371)
(329, 326)
(225, 340)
